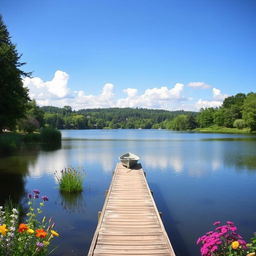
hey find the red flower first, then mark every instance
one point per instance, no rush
(22, 227)
(41, 233)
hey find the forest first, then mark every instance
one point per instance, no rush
(238, 111)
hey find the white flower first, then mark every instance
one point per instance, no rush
(12, 228)
(14, 216)
(15, 211)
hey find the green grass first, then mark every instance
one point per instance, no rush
(70, 180)
(219, 129)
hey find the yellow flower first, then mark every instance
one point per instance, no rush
(251, 254)
(54, 233)
(235, 245)
(3, 229)
(46, 243)
(30, 231)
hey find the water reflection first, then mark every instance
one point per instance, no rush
(48, 162)
(72, 202)
(189, 173)
(13, 172)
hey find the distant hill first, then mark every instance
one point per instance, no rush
(66, 118)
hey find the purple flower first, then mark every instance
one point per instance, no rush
(38, 244)
(36, 196)
(45, 198)
(29, 196)
(36, 191)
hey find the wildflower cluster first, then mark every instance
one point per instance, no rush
(225, 241)
(31, 237)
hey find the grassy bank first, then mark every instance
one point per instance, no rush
(218, 129)
(11, 141)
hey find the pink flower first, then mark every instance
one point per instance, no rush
(199, 240)
(216, 223)
(214, 248)
(224, 230)
(233, 228)
(230, 223)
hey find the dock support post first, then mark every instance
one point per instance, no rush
(99, 213)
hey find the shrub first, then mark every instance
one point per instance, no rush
(239, 123)
(50, 135)
(70, 180)
(31, 237)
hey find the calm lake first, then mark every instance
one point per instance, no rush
(196, 179)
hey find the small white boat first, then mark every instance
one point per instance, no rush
(129, 160)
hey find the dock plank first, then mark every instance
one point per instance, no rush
(130, 223)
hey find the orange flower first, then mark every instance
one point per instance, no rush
(22, 227)
(41, 233)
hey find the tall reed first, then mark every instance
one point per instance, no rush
(70, 180)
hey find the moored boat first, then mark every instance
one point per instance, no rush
(129, 160)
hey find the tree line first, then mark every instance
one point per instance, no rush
(109, 118)
(238, 111)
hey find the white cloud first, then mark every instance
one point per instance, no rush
(201, 85)
(217, 95)
(218, 98)
(57, 93)
(45, 92)
(131, 92)
(207, 104)
(163, 97)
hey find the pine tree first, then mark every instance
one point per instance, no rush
(13, 96)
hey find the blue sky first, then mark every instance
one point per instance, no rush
(171, 54)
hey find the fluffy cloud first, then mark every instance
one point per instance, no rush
(57, 93)
(163, 97)
(217, 100)
(46, 92)
(217, 95)
(200, 85)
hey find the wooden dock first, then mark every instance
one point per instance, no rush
(129, 223)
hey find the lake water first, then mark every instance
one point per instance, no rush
(196, 179)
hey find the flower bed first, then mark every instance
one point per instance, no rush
(30, 237)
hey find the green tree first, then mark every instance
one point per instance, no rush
(179, 123)
(13, 96)
(219, 117)
(249, 111)
(34, 118)
(206, 117)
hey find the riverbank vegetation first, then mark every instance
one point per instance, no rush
(70, 180)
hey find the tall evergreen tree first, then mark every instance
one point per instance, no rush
(13, 96)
